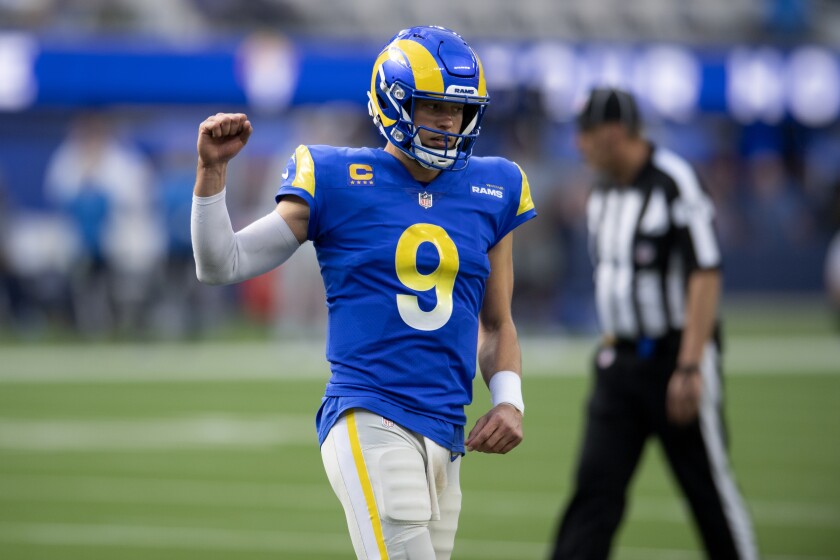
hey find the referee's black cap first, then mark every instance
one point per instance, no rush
(609, 105)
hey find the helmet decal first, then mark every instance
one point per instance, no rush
(482, 81)
(376, 102)
(425, 69)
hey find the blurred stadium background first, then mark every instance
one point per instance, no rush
(144, 415)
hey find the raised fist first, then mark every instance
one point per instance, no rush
(221, 137)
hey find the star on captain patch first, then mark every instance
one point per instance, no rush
(424, 199)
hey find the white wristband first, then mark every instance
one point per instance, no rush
(506, 387)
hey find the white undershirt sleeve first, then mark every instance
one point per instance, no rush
(225, 257)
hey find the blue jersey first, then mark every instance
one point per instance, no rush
(404, 266)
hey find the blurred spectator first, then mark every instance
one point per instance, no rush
(36, 253)
(104, 186)
(721, 175)
(574, 295)
(254, 13)
(832, 259)
(777, 212)
(821, 171)
(540, 253)
(832, 276)
(833, 211)
(788, 20)
(5, 272)
(40, 249)
(183, 306)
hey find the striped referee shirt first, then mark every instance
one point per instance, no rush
(645, 239)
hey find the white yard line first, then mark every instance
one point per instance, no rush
(199, 538)
(304, 360)
(190, 432)
(164, 362)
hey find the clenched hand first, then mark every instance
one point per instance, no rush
(221, 137)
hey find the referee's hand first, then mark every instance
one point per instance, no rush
(498, 431)
(685, 390)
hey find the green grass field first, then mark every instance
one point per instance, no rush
(208, 451)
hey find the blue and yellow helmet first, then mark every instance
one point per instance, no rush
(430, 63)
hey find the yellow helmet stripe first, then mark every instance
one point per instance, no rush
(482, 83)
(304, 171)
(525, 202)
(427, 75)
(374, 88)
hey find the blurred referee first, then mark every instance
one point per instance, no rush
(657, 369)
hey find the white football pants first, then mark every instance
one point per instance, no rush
(400, 491)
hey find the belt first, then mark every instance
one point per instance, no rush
(645, 347)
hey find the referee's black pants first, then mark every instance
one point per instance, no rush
(626, 407)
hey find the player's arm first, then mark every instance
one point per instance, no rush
(693, 215)
(499, 358)
(686, 386)
(222, 256)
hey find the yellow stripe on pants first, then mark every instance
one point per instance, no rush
(367, 488)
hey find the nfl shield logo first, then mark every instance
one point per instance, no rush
(425, 200)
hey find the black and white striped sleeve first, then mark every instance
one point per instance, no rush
(692, 213)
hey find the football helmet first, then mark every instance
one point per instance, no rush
(428, 63)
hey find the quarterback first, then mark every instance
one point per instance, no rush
(414, 244)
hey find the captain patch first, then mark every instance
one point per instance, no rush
(360, 174)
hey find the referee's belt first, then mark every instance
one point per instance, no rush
(644, 347)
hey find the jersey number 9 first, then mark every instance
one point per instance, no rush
(442, 279)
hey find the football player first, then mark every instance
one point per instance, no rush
(414, 244)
